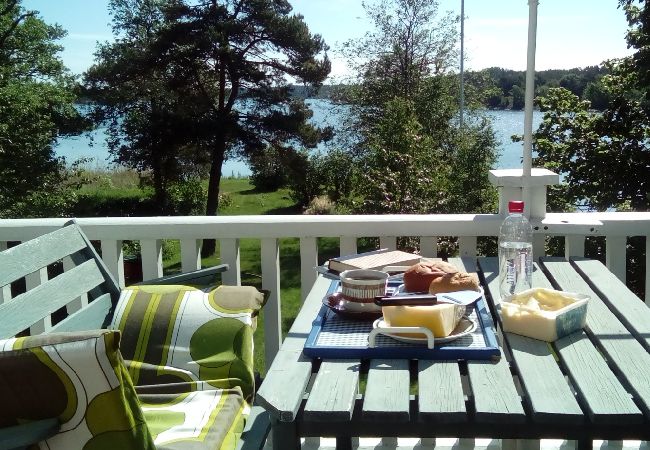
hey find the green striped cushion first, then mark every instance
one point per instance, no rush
(78, 378)
(209, 419)
(182, 335)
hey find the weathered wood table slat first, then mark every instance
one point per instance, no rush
(593, 384)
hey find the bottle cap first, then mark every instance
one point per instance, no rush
(515, 206)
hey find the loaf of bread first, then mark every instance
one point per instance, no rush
(418, 277)
(452, 282)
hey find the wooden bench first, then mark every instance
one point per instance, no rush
(81, 297)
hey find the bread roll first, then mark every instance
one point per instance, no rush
(418, 277)
(452, 282)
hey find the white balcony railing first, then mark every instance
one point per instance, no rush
(189, 231)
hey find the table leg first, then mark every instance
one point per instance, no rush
(343, 443)
(584, 444)
(285, 435)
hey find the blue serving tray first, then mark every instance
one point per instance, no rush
(334, 336)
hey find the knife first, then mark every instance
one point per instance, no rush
(464, 298)
(410, 300)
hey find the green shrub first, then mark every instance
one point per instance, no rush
(188, 197)
(268, 170)
(225, 200)
(321, 205)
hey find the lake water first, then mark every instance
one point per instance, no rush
(505, 123)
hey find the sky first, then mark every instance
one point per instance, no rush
(570, 33)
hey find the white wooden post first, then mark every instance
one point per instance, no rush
(113, 257)
(5, 291)
(467, 246)
(389, 242)
(429, 246)
(348, 245)
(510, 183)
(33, 280)
(229, 252)
(616, 255)
(270, 254)
(308, 260)
(574, 246)
(79, 302)
(647, 269)
(151, 250)
(191, 254)
(539, 245)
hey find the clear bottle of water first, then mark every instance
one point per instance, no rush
(515, 251)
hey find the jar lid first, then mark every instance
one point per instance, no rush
(515, 206)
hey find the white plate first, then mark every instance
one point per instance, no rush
(464, 327)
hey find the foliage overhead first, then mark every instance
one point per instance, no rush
(404, 107)
(197, 82)
(604, 156)
(36, 107)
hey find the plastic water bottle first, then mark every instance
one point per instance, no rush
(515, 251)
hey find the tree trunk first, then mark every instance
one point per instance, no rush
(212, 206)
(160, 192)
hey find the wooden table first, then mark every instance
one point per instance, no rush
(593, 384)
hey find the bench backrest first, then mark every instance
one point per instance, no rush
(82, 281)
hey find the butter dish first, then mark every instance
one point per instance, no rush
(544, 314)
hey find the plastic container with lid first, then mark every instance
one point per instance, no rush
(544, 314)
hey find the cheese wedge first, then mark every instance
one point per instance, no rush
(441, 319)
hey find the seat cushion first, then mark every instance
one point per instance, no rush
(80, 379)
(204, 418)
(180, 334)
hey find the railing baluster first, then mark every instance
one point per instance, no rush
(647, 270)
(615, 255)
(308, 260)
(574, 245)
(389, 242)
(79, 302)
(190, 254)
(348, 245)
(113, 257)
(5, 291)
(429, 246)
(229, 252)
(468, 443)
(467, 246)
(151, 250)
(31, 281)
(539, 245)
(270, 254)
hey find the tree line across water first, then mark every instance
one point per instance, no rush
(505, 88)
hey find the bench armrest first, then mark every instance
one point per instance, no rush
(21, 436)
(203, 277)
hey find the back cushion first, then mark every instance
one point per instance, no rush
(78, 378)
(182, 335)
